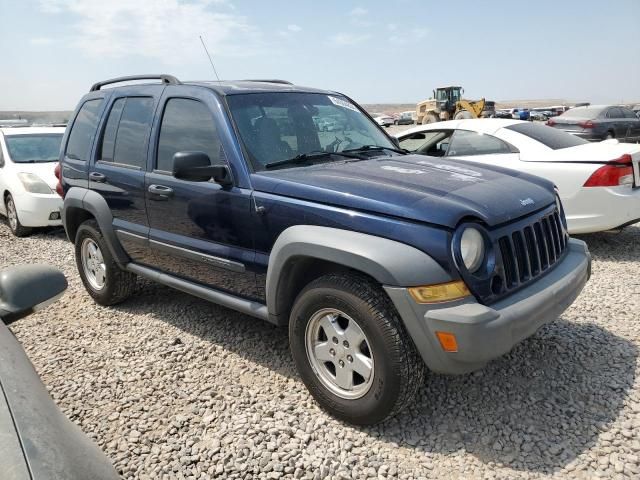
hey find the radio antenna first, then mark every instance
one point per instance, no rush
(209, 57)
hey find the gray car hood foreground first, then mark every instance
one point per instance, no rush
(36, 440)
(427, 189)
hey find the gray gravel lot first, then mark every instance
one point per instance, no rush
(173, 387)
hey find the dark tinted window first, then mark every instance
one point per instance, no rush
(628, 113)
(83, 129)
(465, 142)
(133, 131)
(551, 137)
(109, 137)
(187, 125)
(615, 112)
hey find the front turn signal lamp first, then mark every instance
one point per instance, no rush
(442, 292)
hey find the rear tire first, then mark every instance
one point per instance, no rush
(384, 371)
(12, 218)
(104, 280)
(609, 136)
(462, 115)
(430, 118)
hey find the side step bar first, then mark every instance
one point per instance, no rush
(254, 309)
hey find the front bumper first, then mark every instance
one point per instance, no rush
(34, 209)
(487, 332)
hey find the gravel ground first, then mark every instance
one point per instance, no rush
(173, 387)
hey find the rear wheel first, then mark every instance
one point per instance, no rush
(462, 114)
(609, 136)
(12, 217)
(352, 351)
(105, 281)
(430, 117)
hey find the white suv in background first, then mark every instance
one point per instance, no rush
(28, 158)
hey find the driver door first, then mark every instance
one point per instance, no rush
(199, 231)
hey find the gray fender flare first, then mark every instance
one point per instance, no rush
(96, 205)
(389, 262)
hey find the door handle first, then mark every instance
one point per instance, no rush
(97, 177)
(161, 190)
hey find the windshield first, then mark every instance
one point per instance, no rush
(551, 137)
(279, 126)
(34, 148)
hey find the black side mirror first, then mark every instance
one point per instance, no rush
(196, 167)
(28, 288)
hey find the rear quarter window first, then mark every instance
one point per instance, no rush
(83, 129)
(548, 136)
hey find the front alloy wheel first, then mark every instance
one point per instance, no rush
(93, 264)
(339, 353)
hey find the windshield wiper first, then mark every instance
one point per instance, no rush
(303, 157)
(375, 148)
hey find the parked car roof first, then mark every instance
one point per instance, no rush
(232, 87)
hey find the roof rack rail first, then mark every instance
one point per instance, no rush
(168, 79)
(273, 80)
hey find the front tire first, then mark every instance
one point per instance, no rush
(12, 218)
(352, 351)
(104, 280)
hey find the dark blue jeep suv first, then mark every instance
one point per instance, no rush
(380, 262)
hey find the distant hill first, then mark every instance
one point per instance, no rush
(36, 117)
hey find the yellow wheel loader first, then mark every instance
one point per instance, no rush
(447, 104)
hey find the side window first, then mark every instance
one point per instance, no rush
(465, 142)
(628, 113)
(1, 154)
(187, 125)
(615, 113)
(82, 130)
(133, 132)
(433, 143)
(109, 136)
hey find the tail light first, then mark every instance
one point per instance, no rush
(58, 174)
(551, 122)
(615, 173)
(587, 124)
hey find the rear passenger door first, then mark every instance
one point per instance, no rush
(120, 161)
(199, 231)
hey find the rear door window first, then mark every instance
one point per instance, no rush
(548, 136)
(465, 142)
(615, 113)
(83, 129)
(126, 134)
(187, 125)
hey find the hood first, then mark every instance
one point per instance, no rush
(45, 170)
(415, 187)
(598, 152)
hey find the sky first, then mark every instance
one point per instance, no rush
(374, 51)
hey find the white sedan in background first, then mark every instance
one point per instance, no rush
(28, 158)
(599, 183)
(384, 120)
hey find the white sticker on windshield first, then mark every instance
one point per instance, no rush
(342, 103)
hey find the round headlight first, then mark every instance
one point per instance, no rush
(472, 249)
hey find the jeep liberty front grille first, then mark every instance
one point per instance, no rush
(531, 250)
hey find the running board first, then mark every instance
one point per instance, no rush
(254, 309)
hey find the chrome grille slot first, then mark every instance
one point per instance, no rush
(528, 251)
